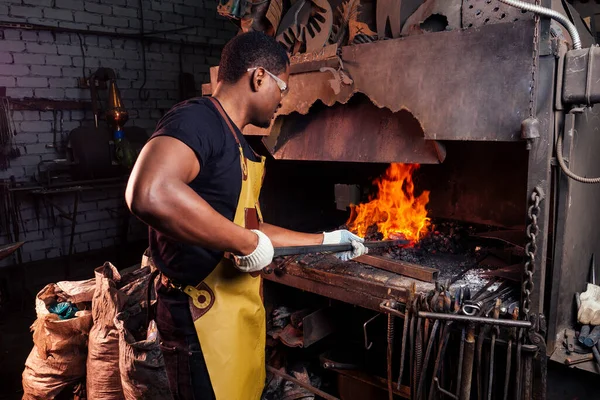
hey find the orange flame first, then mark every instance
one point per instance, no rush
(395, 210)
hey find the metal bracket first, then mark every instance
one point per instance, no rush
(368, 344)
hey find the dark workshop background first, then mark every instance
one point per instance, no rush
(48, 64)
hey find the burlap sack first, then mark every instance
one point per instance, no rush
(143, 373)
(57, 360)
(113, 293)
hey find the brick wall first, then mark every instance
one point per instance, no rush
(42, 64)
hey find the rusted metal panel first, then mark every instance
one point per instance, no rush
(357, 132)
(400, 267)
(454, 82)
(476, 13)
(313, 61)
(444, 79)
(577, 236)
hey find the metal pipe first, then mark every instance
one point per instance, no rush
(403, 349)
(467, 367)
(549, 13)
(479, 320)
(306, 386)
(436, 324)
(461, 353)
(390, 345)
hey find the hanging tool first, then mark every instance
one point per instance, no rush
(410, 299)
(390, 345)
(467, 364)
(333, 248)
(368, 344)
(495, 332)
(579, 360)
(512, 336)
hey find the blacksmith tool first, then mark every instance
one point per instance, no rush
(578, 360)
(583, 333)
(512, 336)
(333, 248)
(390, 346)
(495, 332)
(411, 297)
(592, 338)
(467, 363)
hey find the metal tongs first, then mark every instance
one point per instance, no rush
(334, 248)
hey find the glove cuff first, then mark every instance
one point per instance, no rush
(334, 237)
(259, 258)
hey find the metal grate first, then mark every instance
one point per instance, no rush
(476, 13)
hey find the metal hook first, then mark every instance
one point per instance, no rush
(368, 344)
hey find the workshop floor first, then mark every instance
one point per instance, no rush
(18, 313)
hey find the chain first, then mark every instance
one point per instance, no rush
(531, 247)
(534, 64)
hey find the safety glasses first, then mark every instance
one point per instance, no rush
(283, 87)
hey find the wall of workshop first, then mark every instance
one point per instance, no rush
(42, 64)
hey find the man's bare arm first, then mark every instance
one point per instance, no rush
(158, 194)
(281, 237)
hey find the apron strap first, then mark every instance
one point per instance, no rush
(221, 111)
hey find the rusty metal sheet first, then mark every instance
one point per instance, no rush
(313, 61)
(448, 12)
(454, 82)
(476, 13)
(9, 249)
(355, 132)
(400, 267)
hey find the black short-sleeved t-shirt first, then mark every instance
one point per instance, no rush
(198, 124)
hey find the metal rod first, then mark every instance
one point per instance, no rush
(403, 350)
(436, 324)
(440, 356)
(479, 320)
(461, 353)
(518, 374)
(390, 345)
(508, 366)
(492, 349)
(334, 248)
(467, 367)
(368, 344)
(442, 390)
(579, 360)
(306, 386)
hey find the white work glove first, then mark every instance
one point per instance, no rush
(589, 311)
(259, 258)
(343, 236)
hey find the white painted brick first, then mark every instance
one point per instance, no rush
(59, 14)
(88, 18)
(78, 115)
(90, 62)
(69, 4)
(62, 82)
(26, 160)
(81, 247)
(152, 15)
(73, 25)
(173, 18)
(128, 74)
(6, 58)
(39, 148)
(59, 60)
(12, 45)
(115, 21)
(3, 9)
(28, 59)
(135, 24)
(126, 54)
(98, 8)
(95, 245)
(125, 11)
(76, 94)
(11, 34)
(26, 138)
(69, 50)
(35, 126)
(45, 48)
(91, 236)
(112, 63)
(50, 93)
(45, 3)
(105, 42)
(19, 93)
(161, 6)
(90, 40)
(82, 227)
(43, 70)
(18, 11)
(184, 10)
(32, 82)
(115, 2)
(99, 52)
(29, 36)
(62, 38)
(47, 116)
(71, 72)
(7, 81)
(193, 21)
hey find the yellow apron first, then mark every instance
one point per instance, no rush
(227, 307)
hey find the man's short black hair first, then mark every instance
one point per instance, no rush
(251, 49)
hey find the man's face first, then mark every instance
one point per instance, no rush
(270, 91)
